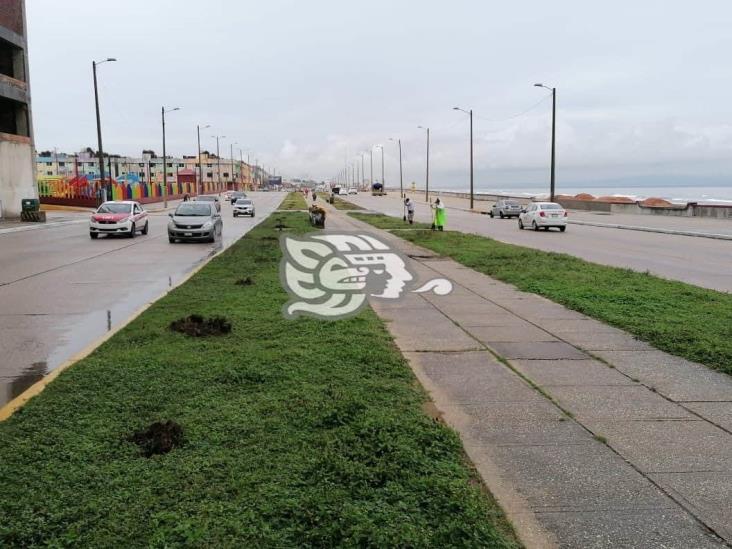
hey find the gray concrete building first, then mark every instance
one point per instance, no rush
(17, 166)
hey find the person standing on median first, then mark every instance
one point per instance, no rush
(440, 215)
(410, 210)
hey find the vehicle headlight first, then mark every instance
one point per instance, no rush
(208, 225)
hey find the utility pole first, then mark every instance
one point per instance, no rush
(218, 162)
(165, 164)
(371, 160)
(554, 125)
(469, 113)
(200, 164)
(427, 176)
(100, 153)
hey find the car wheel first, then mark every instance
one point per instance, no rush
(234, 214)
(534, 226)
(94, 236)
(171, 239)
(562, 229)
(133, 231)
(521, 224)
(145, 228)
(500, 214)
(491, 214)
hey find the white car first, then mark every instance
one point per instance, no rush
(243, 206)
(543, 215)
(353, 190)
(124, 217)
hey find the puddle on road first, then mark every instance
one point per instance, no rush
(11, 388)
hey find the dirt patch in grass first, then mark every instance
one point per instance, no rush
(199, 326)
(244, 281)
(159, 438)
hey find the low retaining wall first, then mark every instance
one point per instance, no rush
(692, 209)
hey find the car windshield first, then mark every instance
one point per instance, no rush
(238, 195)
(511, 203)
(113, 208)
(206, 199)
(551, 207)
(243, 202)
(192, 209)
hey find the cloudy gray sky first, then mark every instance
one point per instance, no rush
(643, 87)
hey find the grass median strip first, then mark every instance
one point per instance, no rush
(294, 201)
(340, 204)
(681, 319)
(271, 433)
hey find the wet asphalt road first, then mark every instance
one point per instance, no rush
(700, 261)
(60, 290)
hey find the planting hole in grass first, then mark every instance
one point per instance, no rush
(244, 281)
(159, 438)
(198, 326)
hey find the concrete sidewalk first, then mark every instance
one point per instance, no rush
(586, 436)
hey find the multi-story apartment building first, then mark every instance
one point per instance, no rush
(17, 178)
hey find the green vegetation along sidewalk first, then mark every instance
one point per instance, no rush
(293, 433)
(294, 201)
(681, 319)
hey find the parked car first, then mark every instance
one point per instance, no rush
(227, 195)
(236, 195)
(505, 208)
(244, 206)
(209, 198)
(353, 190)
(195, 221)
(124, 217)
(544, 215)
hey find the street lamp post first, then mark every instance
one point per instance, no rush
(554, 120)
(470, 113)
(165, 163)
(401, 177)
(218, 161)
(371, 173)
(99, 124)
(200, 164)
(231, 155)
(427, 176)
(363, 174)
(383, 182)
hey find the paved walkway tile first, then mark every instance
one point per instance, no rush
(427, 330)
(509, 334)
(617, 402)
(472, 378)
(669, 446)
(577, 477)
(708, 495)
(636, 529)
(538, 350)
(603, 341)
(548, 373)
(719, 413)
(674, 377)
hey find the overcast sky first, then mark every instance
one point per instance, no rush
(643, 86)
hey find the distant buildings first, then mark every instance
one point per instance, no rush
(148, 168)
(17, 180)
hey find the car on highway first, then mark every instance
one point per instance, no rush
(209, 198)
(543, 215)
(353, 190)
(243, 206)
(506, 208)
(197, 221)
(236, 195)
(227, 195)
(120, 217)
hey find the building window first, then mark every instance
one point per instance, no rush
(226, 174)
(181, 165)
(49, 173)
(170, 174)
(170, 164)
(209, 165)
(12, 62)
(13, 117)
(141, 165)
(209, 175)
(141, 174)
(62, 163)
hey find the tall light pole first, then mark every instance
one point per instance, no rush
(363, 174)
(371, 173)
(427, 176)
(470, 113)
(99, 124)
(401, 173)
(231, 155)
(200, 164)
(383, 182)
(218, 161)
(554, 125)
(163, 110)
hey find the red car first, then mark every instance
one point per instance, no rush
(123, 217)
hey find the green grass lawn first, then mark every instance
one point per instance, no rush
(294, 201)
(679, 318)
(341, 204)
(296, 433)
